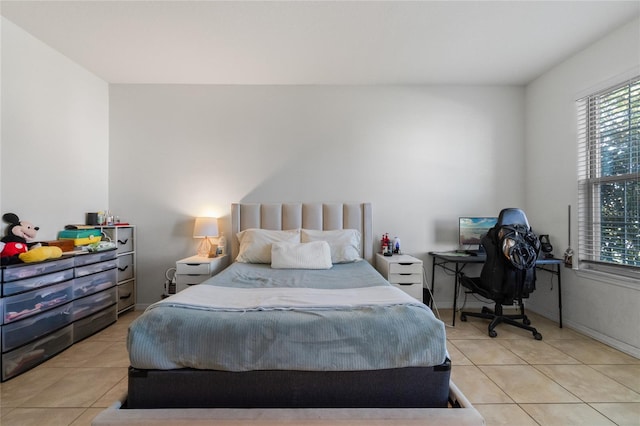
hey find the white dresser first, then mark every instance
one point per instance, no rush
(403, 271)
(195, 269)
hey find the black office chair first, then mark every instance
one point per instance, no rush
(509, 273)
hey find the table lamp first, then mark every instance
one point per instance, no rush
(206, 227)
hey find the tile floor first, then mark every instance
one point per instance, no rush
(564, 379)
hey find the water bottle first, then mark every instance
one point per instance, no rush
(222, 245)
(396, 245)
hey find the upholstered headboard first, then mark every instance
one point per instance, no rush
(322, 216)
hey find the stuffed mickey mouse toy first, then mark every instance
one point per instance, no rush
(15, 246)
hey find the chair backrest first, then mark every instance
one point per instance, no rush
(512, 249)
(512, 216)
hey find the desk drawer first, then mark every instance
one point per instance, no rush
(405, 268)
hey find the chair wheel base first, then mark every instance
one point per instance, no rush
(537, 336)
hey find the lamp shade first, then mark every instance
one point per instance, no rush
(205, 227)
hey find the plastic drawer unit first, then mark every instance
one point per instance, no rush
(24, 331)
(87, 264)
(28, 356)
(88, 305)
(31, 303)
(87, 326)
(25, 277)
(94, 283)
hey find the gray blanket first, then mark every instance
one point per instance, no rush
(364, 338)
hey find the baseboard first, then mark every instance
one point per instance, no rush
(607, 340)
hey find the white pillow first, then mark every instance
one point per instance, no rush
(314, 255)
(344, 243)
(255, 244)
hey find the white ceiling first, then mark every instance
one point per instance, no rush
(319, 42)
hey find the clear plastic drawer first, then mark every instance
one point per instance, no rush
(93, 268)
(18, 333)
(34, 302)
(91, 324)
(20, 286)
(19, 272)
(91, 304)
(86, 259)
(28, 356)
(94, 283)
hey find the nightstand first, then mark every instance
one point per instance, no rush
(195, 269)
(403, 271)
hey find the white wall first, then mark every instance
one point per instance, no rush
(55, 135)
(602, 307)
(422, 155)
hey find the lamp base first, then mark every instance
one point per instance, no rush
(206, 249)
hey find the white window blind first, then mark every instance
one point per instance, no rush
(608, 180)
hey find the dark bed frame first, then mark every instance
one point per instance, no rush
(409, 387)
(412, 387)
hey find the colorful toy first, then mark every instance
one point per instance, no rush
(18, 246)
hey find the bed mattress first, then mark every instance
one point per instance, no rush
(354, 335)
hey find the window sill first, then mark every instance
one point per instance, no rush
(609, 278)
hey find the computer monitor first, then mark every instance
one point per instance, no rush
(472, 229)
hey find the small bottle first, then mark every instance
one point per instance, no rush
(396, 245)
(222, 245)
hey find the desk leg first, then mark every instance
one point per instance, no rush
(455, 295)
(559, 295)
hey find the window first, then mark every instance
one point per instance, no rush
(609, 185)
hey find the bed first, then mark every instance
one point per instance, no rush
(291, 331)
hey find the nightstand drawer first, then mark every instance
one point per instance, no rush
(414, 290)
(407, 278)
(405, 268)
(191, 279)
(192, 268)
